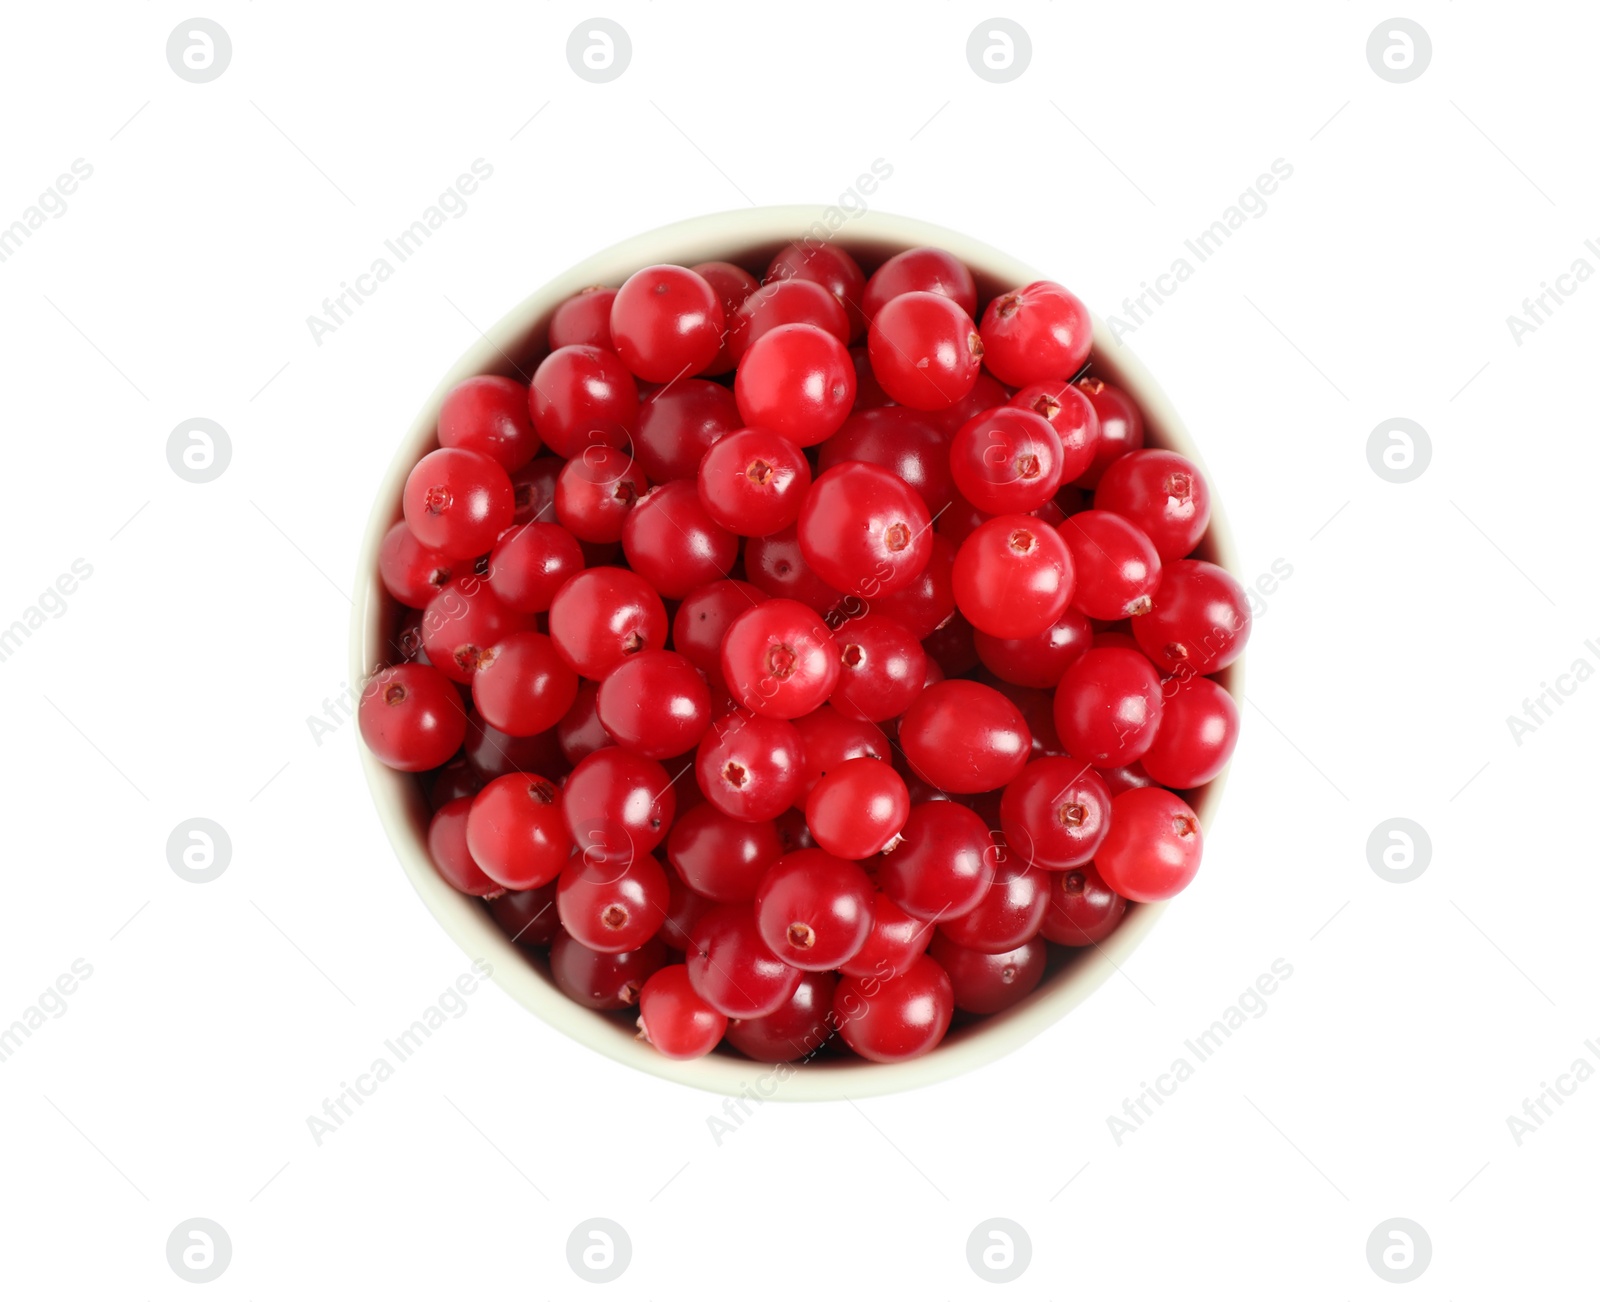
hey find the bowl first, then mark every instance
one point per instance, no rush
(748, 236)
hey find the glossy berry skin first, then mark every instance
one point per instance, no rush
(533, 490)
(463, 621)
(529, 564)
(943, 864)
(898, 1018)
(829, 266)
(863, 531)
(1083, 909)
(516, 832)
(527, 918)
(796, 1030)
(828, 738)
(1199, 729)
(1007, 461)
(776, 566)
(596, 493)
(962, 736)
(1055, 813)
(749, 765)
(618, 806)
(581, 397)
(1153, 849)
(411, 717)
(702, 618)
(523, 686)
(447, 847)
(585, 318)
(733, 284)
(813, 909)
(672, 542)
(986, 394)
(1161, 493)
(1040, 660)
(1108, 706)
(785, 302)
(489, 414)
(685, 907)
(925, 350)
(676, 1021)
(895, 942)
(655, 703)
(603, 981)
(457, 502)
(1116, 565)
(679, 424)
(909, 444)
(580, 732)
(1072, 416)
(604, 615)
(666, 323)
(797, 381)
(609, 907)
(1013, 577)
(858, 808)
(989, 983)
(882, 668)
(919, 271)
(779, 659)
(733, 969)
(752, 482)
(412, 574)
(930, 599)
(1121, 426)
(1010, 911)
(1199, 620)
(721, 857)
(1036, 334)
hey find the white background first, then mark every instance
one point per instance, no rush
(179, 679)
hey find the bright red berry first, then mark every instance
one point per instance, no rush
(1036, 334)
(898, 1018)
(523, 686)
(672, 542)
(779, 659)
(604, 615)
(655, 703)
(582, 396)
(753, 482)
(610, 907)
(1013, 576)
(1163, 494)
(921, 270)
(1199, 619)
(925, 350)
(989, 983)
(964, 737)
(1153, 849)
(1056, 812)
(797, 381)
(489, 414)
(750, 765)
(722, 857)
(1199, 729)
(863, 531)
(882, 668)
(529, 564)
(618, 806)
(674, 1019)
(858, 809)
(943, 863)
(813, 909)
(1108, 706)
(458, 502)
(411, 717)
(1116, 565)
(1007, 461)
(516, 832)
(1083, 909)
(732, 968)
(667, 323)
(412, 574)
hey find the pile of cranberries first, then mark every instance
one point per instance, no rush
(798, 661)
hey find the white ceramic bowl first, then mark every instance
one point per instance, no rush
(749, 236)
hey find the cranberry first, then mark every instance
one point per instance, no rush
(909, 444)
(895, 942)
(733, 284)
(776, 566)
(604, 615)
(898, 1018)
(1056, 812)
(489, 414)
(412, 574)
(928, 602)
(943, 863)
(1108, 706)
(1039, 660)
(530, 563)
(667, 323)
(1007, 461)
(447, 847)
(1121, 427)
(1161, 493)
(964, 737)
(672, 542)
(612, 907)
(785, 302)
(721, 857)
(596, 493)
(585, 318)
(685, 907)
(1072, 416)
(827, 265)
(1036, 334)
(797, 381)
(828, 738)
(1153, 848)
(618, 806)
(1199, 729)
(1013, 576)
(925, 350)
(989, 983)
(749, 765)
(779, 659)
(813, 909)
(703, 617)
(580, 731)
(581, 397)
(753, 482)
(523, 686)
(732, 968)
(464, 620)
(1010, 911)
(527, 917)
(882, 668)
(796, 1030)
(679, 425)
(533, 490)
(864, 531)
(1083, 909)
(516, 833)
(655, 703)
(1198, 621)
(494, 753)
(1117, 567)
(986, 394)
(411, 717)
(674, 1019)
(603, 981)
(918, 271)
(457, 502)
(857, 810)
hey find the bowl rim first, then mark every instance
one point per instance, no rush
(738, 235)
